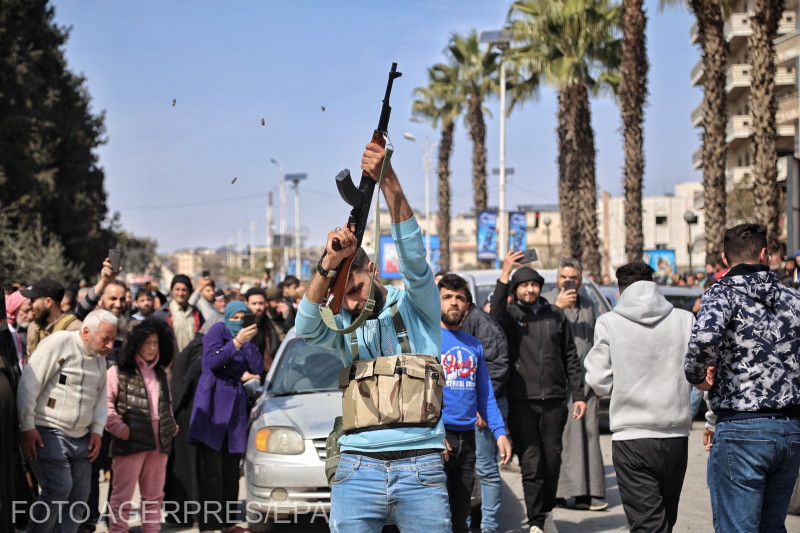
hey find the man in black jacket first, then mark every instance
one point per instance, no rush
(543, 362)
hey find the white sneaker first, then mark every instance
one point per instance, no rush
(549, 524)
(535, 529)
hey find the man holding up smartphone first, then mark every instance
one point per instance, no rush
(544, 366)
(582, 474)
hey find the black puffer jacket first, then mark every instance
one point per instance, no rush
(134, 407)
(542, 356)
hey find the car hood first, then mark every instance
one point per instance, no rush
(311, 414)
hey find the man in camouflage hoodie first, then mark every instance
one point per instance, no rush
(744, 350)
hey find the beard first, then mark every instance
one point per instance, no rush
(41, 320)
(452, 319)
(380, 301)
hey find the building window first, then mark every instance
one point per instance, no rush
(661, 220)
(661, 247)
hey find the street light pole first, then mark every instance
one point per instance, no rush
(690, 219)
(547, 223)
(282, 215)
(426, 167)
(296, 179)
(502, 40)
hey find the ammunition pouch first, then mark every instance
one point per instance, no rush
(392, 391)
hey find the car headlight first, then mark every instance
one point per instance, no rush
(282, 440)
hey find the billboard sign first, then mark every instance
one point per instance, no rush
(390, 262)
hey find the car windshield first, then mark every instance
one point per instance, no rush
(304, 368)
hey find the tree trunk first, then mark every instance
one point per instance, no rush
(632, 95)
(715, 119)
(763, 107)
(571, 244)
(443, 223)
(477, 132)
(586, 199)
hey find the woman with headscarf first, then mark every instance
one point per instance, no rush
(218, 425)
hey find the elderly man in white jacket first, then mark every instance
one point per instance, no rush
(62, 411)
(637, 359)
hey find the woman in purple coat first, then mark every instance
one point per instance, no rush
(218, 425)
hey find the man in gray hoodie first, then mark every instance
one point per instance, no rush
(646, 339)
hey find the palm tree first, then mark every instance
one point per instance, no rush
(763, 108)
(441, 103)
(572, 44)
(715, 118)
(476, 66)
(632, 95)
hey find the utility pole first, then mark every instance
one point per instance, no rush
(282, 214)
(295, 179)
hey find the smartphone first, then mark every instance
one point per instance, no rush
(115, 257)
(569, 285)
(249, 320)
(205, 274)
(2, 303)
(529, 256)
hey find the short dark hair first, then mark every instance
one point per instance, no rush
(290, 280)
(360, 261)
(454, 282)
(744, 242)
(255, 291)
(629, 274)
(143, 292)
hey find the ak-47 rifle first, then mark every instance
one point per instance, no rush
(360, 199)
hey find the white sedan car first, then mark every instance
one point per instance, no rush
(284, 466)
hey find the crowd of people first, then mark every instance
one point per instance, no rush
(155, 391)
(138, 388)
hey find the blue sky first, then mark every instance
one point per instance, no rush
(229, 64)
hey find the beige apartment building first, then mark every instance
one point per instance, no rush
(737, 30)
(664, 226)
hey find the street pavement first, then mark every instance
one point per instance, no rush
(694, 514)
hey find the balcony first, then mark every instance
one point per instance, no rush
(739, 127)
(788, 109)
(738, 25)
(787, 48)
(785, 76)
(737, 76)
(736, 175)
(697, 116)
(697, 158)
(694, 34)
(696, 77)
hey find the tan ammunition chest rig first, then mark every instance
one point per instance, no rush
(391, 391)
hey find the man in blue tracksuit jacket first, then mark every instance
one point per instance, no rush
(395, 473)
(468, 391)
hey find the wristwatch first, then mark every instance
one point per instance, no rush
(324, 272)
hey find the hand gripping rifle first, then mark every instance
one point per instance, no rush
(360, 199)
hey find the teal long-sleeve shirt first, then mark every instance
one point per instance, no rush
(419, 306)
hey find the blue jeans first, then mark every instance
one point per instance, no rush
(412, 493)
(752, 469)
(489, 473)
(695, 401)
(63, 470)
